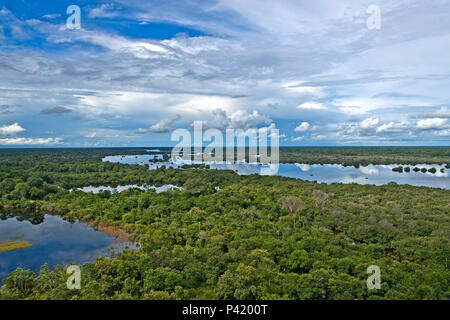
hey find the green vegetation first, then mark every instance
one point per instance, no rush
(7, 245)
(257, 237)
(353, 156)
(356, 156)
(398, 169)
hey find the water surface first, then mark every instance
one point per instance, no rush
(327, 173)
(119, 189)
(54, 241)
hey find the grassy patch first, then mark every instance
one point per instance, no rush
(7, 245)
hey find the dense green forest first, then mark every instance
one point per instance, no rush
(356, 156)
(254, 237)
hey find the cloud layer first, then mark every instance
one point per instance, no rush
(312, 68)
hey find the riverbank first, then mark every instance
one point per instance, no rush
(119, 234)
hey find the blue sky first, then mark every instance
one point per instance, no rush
(137, 70)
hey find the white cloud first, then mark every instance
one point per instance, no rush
(369, 123)
(305, 91)
(386, 127)
(286, 52)
(104, 11)
(142, 49)
(319, 137)
(443, 133)
(312, 106)
(162, 126)
(370, 170)
(304, 126)
(352, 110)
(30, 141)
(274, 135)
(432, 123)
(201, 44)
(11, 129)
(443, 112)
(51, 16)
(272, 131)
(356, 106)
(296, 139)
(303, 166)
(240, 119)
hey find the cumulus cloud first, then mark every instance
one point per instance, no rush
(369, 123)
(252, 51)
(431, 123)
(312, 106)
(12, 129)
(274, 132)
(443, 112)
(271, 131)
(443, 133)
(304, 126)
(386, 127)
(30, 141)
(162, 126)
(240, 119)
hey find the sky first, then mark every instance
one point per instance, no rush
(320, 71)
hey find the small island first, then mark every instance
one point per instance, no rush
(7, 245)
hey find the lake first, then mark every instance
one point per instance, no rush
(119, 189)
(54, 241)
(326, 173)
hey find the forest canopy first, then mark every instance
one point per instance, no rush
(254, 237)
